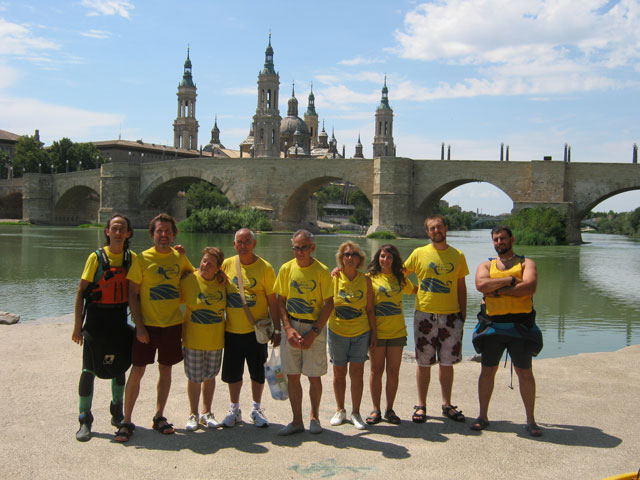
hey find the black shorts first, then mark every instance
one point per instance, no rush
(493, 347)
(108, 341)
(241, 347)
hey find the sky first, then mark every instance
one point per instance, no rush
(532, 74)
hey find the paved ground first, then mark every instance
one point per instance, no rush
(588, 405)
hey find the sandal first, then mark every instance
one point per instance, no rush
(419, 417)
(479, 424)
(391, 417)
(160, 424)
(125, 430)
(533, 429)
(374, 417)
(452, 413)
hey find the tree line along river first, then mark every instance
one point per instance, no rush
(587, 298)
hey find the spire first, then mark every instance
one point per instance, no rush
(187, 80)
(384, 102)
(359, 143)
(293, 103)
(268, 59)
(311, 108)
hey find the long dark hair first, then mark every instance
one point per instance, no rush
(397, 269)
(129, 229)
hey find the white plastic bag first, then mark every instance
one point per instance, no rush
(275, 378)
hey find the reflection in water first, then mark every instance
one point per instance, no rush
(585, 302)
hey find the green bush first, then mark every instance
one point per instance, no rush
(225, 220)
(538, 226)
(383, 235)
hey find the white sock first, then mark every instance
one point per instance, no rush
(256, 405)
(235, 407)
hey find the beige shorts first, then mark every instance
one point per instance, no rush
(311, 362)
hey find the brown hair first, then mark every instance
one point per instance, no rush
(162, 217)
(216, 253)
(127, 221)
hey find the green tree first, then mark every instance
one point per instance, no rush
(4, 165)
(205, 195)
(65, 150)
(538, 226)
(29, 156)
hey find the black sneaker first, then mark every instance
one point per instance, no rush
(84, 432)
(116, 414)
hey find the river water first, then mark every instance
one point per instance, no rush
(587, 298)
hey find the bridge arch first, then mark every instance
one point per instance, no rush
(300, 207)
(582, 211)
(11, 205)
(77, 205)
(427, 204)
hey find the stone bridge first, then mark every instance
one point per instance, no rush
(403, 191)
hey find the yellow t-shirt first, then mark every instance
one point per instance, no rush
(306, 288)
(258, 279)
(91, 266)
(349, 316)
(158, 275)
(507, 304)
(205, 302)
(388, 293)
(438, 272)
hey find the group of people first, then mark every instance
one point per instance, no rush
(357, 315)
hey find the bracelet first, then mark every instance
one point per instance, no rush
(315, 329)
(513, 281)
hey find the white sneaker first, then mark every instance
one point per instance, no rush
(315, 427)
(356, 419)
(258, 417)
(209, 421)
(192, 423)
(339, 418)
(233, 417)
(291, 429)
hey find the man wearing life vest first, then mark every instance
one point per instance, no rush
(102, 299)
(154, 299)
(507, 320)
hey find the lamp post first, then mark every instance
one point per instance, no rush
(80, 165)
(52, 170)
(39, 167)
(67, 165)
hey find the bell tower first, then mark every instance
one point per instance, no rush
(266, 121)
(383, 145)
(185, 126)
(311, 119)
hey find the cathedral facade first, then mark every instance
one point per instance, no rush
(270, 135)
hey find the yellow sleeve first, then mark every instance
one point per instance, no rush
(135, 271)
(408, 287)
(90, 267)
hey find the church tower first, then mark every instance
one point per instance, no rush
(359, 153)
(311, 119)
(185, 126)
(383, 145)
(266, 121)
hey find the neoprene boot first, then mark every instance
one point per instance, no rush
(84, 432)
(116, 414)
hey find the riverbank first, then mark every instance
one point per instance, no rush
(587, 405)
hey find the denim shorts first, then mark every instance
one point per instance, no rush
(343, 350)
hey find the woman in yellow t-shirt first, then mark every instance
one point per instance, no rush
(389, 284)
(352, 330)
(205, 300)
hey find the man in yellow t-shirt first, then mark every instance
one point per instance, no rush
(441, 308)
(305, 298)
(154, 300)
(241, 344)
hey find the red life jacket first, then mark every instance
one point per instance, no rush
(110, 286)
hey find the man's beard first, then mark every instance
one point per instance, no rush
(501, 250)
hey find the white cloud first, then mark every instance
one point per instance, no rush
(360, 61)
(99, 34)
(241, 91)
(24, 115)
(16, 39)
(524, 46)
(8, 75)
(108, 7)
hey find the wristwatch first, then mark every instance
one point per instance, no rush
(315, 329)
(276, 332)
(513, 281)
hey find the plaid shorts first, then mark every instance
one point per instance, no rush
(438, 338)
(201, 365)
